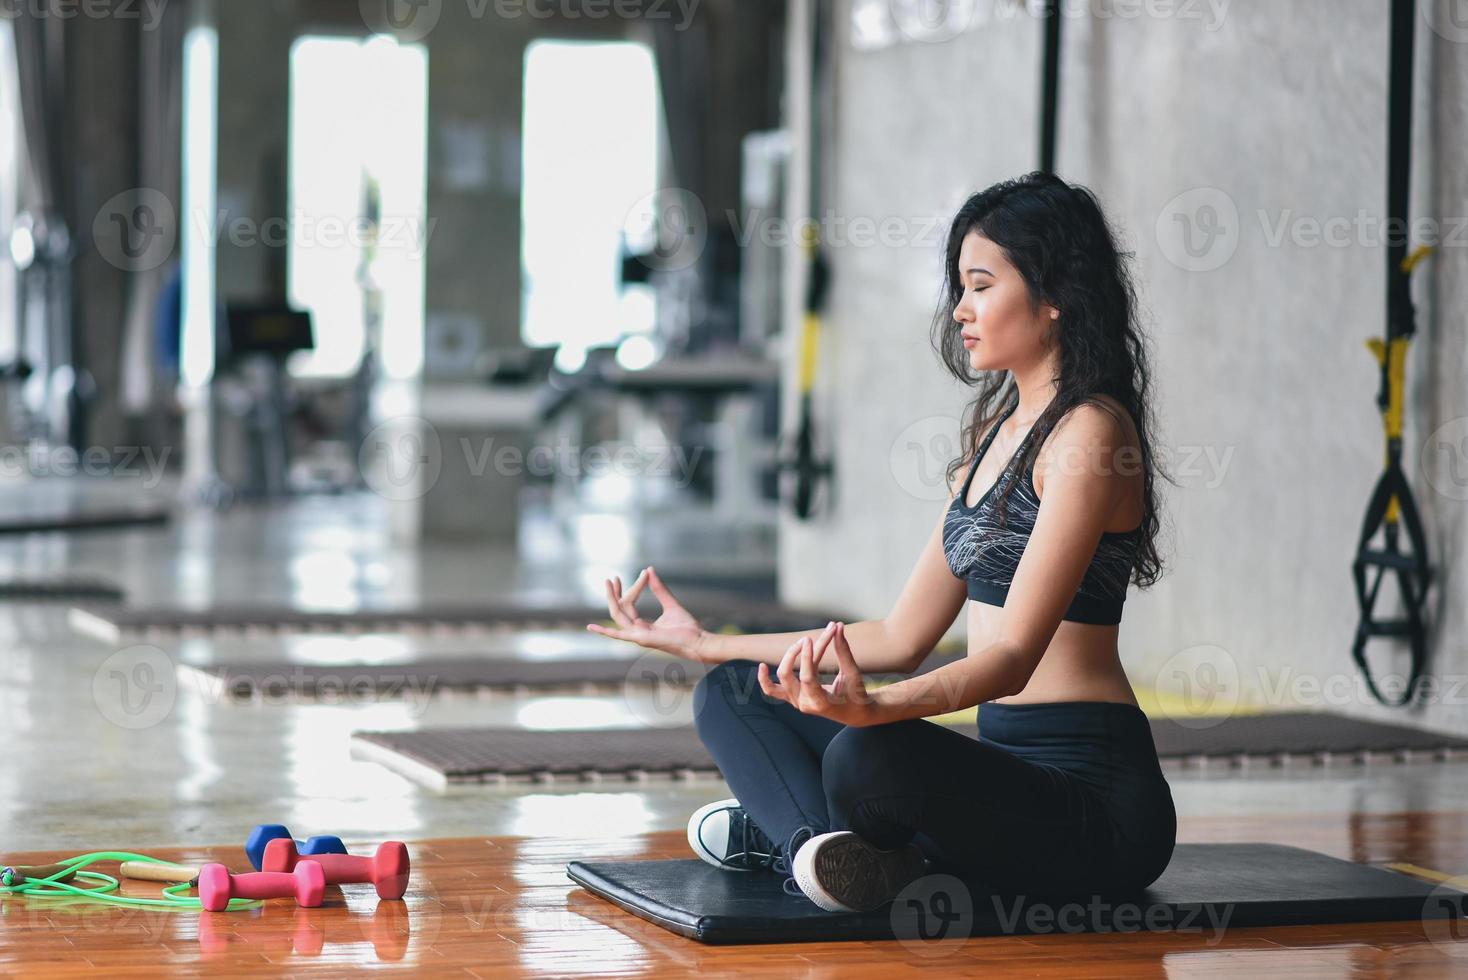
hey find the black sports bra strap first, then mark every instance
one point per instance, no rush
(984, 448)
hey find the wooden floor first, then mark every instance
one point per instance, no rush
(501, 907)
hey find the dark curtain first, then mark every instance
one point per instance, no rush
(683, 77)
(46, 339)
(160, 98)
(40, 57)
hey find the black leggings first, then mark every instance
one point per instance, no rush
(1056, 797)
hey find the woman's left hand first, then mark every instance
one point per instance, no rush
(845, 699)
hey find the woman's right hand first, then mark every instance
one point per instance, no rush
(675, 631)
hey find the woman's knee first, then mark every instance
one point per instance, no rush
(724, 687)
(862, 762)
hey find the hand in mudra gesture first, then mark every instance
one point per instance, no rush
(846, 699)
(675, 631)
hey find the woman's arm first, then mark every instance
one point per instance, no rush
(880, 650)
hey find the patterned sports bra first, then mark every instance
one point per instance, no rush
(979, 550)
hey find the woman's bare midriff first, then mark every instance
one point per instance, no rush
(1082, 662)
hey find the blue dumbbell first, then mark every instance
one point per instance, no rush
(267, 832)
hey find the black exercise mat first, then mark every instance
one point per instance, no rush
(1302, 733)
(429, 675)
(459, 755)
(471, 755)
(432, 675)
(1207, 889)
(716, 611)
(55, 589)
(88, 519)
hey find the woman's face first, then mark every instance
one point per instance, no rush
(995, 311)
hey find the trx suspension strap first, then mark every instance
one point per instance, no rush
(1392, 508)
(1050, 86)
(811, 469)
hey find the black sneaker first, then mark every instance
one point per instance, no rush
(840, 872)
(724, 836)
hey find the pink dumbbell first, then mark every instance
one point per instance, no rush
(306, 882)
(387, 870)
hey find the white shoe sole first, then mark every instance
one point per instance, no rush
(868, 877)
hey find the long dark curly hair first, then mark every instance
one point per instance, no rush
(1056, 235)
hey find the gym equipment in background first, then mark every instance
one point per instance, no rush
(93, 518)
(266, 832)
(1392, 507)
(812, 469)
(53, 589)
(1052, 15)
(259, 338)
(581, 675)
(1206, 889)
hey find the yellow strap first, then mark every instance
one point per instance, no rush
(1417, 255)
(1455, 881)
(810, 333)
(1394, 356)
(811, 322)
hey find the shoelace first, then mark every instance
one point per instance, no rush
(781, 864)
(756, 852)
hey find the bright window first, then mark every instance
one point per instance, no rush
(358, 145)
(590, 151)
(9, 172)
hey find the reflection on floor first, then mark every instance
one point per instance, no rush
(101, 758)
(502, 907)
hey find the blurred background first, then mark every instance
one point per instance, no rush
(347, 304)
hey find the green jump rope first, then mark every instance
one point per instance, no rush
(13, 881)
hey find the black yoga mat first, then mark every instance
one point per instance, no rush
(611, 671)
(1206, 889)
(467, 755)
(57, 589)
(88, 519)
(716, 611)
(433, 675)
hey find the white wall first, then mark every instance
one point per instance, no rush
(1259, 354)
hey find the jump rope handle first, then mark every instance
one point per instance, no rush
(20, 874)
